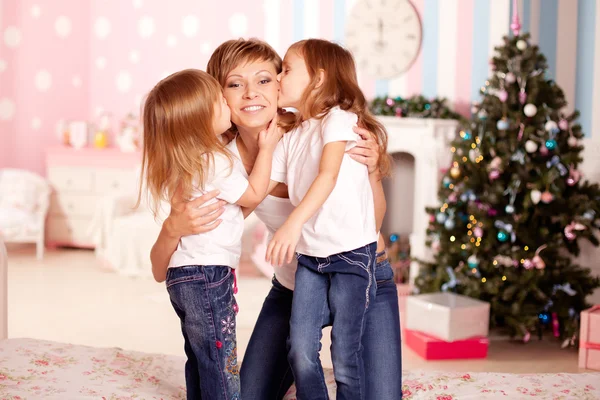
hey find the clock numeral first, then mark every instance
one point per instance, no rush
(408, 18)
(411, 36)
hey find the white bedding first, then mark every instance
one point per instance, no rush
(34, 369)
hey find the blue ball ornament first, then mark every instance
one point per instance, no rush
(427, 106)
(544, 318)
(509, 209)
(449, 224)
(502, 124)
(551, 144)
(440, 217)
(502, 236)
(464, 218)
(446, 181)
(467, 135)
(473, 262)
(393, 238)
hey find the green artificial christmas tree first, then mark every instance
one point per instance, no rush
(514, 204)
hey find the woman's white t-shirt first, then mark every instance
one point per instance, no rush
(346, 221)
(273, 212)
(222, 245)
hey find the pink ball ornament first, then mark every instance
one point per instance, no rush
(496, 162)
(544, 150)
(563, 124)
(398, 112)
(478, 232)
(538, 262)
(389, 102)
(547, 197)
(572, 141)
(452, 198)
(510, 78)
(503, 95)
(528, 264)
(431, 218)
(494, 174)
(522, 97)
(574, 177)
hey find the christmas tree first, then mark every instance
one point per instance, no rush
(514, 204)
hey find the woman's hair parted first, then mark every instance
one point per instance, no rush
(233, 53)
(179, 140)
(339, 88)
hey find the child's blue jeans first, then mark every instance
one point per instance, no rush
(202, 297)
(344, 285)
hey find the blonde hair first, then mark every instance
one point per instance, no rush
(179, 140)
(339, 88)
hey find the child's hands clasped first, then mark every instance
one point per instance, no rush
(283, 245)
(268, 138)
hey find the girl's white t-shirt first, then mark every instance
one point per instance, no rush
(273, 212)
(346, 221)
(222, 245)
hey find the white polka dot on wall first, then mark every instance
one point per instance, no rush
(146, 26)
(36, 123)
(43, 80)
(171, 41)
(3, 65)
(62, 26)
(76, 81)
(124, 81)
(134, 57)
(189, 25)
(238, 24)
(138, 3)
(12, 36)
(7, 109)
(102, 27)
(36, 11)
(101, 62)
(205, 48)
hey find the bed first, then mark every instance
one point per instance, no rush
(38, 369)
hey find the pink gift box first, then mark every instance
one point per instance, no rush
(431, 348)
(589, 339)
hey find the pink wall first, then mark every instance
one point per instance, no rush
(42, 53)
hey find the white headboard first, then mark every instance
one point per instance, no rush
(3, 291)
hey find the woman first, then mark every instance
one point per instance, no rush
(247, 70)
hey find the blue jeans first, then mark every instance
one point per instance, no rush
(344, 285)
(202, 297)
(382, 354)
(266, 373)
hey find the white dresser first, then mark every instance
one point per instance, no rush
(79, 179)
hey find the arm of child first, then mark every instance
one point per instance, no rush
(284, 242)
(378, 198)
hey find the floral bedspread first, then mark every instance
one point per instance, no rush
(34, 369)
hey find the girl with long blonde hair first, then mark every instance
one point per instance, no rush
(184, 116)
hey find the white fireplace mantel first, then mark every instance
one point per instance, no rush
(428, 141)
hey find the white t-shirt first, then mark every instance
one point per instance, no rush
(273, 212)
(346, 220)
(223, 245)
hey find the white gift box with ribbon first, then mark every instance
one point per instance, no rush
(448, 316)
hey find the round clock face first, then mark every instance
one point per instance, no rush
(384, 36)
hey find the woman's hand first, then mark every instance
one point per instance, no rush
(366, 150)
(283, 245)
(193, 217)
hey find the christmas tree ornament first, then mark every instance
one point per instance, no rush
(544, 318)
(474, 154)
(551, 144)
(519, 156)
(449, 224)
(398, 112)
(527, 264)
(574, 176)
(455, 172)
(478, 232)
(509, 209)
(521, 45)
(572, 141)
(544, 150)
(452, 197)
(555, 162)
(547, 197)
(466, 135)
(555, 325)
(473, 261)
(510, 78)
(505, 231)
(589, 215)
(551, 127)
(536, 196)
(502, 95)
(451, 284)
(431, 218)
(496, 162)
(494, 174)
(530, 110)
(482, 114)
(474, 109)
(492, 212)
(502, 124)
(563, 124)
(389, 101)
(502, 236)
(571, 229)
(515, 24)
(531, 146)
(440, 217)
(446, 182)
(522, 97)
(537, 260)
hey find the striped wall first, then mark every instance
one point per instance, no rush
(458, 39)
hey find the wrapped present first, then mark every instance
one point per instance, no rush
(431, 348)
(589, 338)
(447, 316)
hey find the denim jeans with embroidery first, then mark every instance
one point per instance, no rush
(202, 297)
(344, 285)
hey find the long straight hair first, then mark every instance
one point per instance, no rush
(339, 88)
(179, 139)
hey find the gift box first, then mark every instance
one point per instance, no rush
(589, 338)
(447, 316)
(431, 348)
